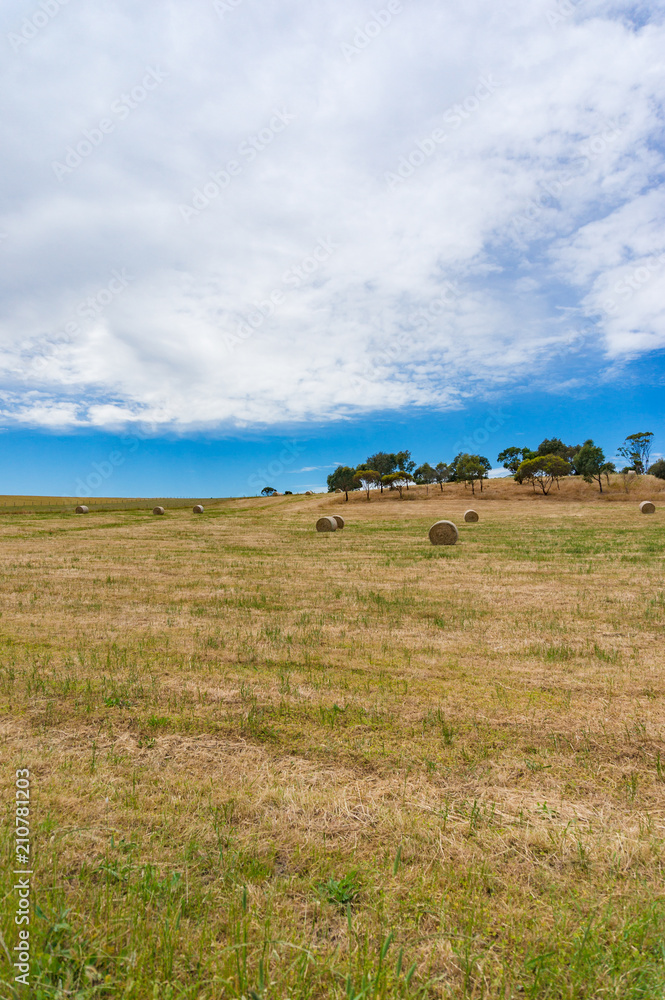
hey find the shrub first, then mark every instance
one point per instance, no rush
(658, 469)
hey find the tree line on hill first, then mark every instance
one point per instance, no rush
(548, 464)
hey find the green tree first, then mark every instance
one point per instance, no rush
(636, 450)
(542, 471)
(589, 462)
(453, 476)
(384, 462)
(608, 468)
(471, 469)
(424, 474)
(510, 458)
(658, 469)
(343, 478)
(268, 491)
(442, 474)
(368, 479)
(555, 446)
(398, 480)
(404, 462)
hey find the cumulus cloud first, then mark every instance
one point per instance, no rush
(241, 214)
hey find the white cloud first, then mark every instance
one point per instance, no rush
(541, 194)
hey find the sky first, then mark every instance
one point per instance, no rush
(244, 241)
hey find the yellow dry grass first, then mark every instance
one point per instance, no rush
(270, 762)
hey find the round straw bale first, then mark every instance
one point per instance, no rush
(471, 515)
(82, 509)
(326, 524)
(158, 510)
(443, 533)
(339, 519)
(198, 509)
(309, 493)
(647, 507)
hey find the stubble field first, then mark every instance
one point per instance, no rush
(271, 763)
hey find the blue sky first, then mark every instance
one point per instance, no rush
(246, 239)
(297, 459)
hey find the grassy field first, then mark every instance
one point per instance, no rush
(271, 763)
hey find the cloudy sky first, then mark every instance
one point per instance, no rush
(241, 220)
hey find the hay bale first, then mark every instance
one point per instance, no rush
(82, 509)
(647, 507)
(309, 493)
(471, 515)
(326, 524)
(158, 510)
(443, 533)
(339, 519)
(198, 509)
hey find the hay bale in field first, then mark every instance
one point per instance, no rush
(309, 493)
(198, 509)
(158, 510)
(443, 533)
(471, 515)
(647, 507)
(326, 524)
(81, 509)
(339, 519)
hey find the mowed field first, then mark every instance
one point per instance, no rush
(273, 763)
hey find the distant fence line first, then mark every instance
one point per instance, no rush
(30, 505)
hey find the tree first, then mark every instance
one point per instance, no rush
(511, 458)
(543, 470)
(555, 446)
(343, 478)
(369, 479)
(398, 480)
(658, 469)
(384, 462)
(608, 468)
(472, 469)
(636, 450)
(442, 474)
(403, 461)
(425, 474)
(589, 462)
(268, 491)
(453, 476)
(629, 478)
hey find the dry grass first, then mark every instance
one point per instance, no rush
(269, 762)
